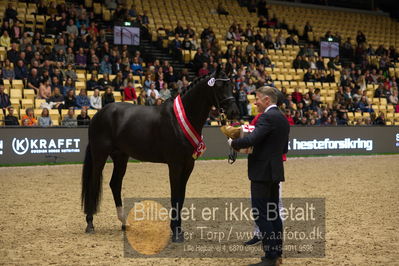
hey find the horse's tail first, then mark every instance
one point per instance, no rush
(91, 185)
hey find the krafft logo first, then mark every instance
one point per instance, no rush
(22, 146)
(1, 147)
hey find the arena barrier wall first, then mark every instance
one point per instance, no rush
(62, 145)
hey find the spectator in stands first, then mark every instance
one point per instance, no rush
(69, 57)
(104, 82)
(20, 70)
(393, 99)
(360, 38)
(70, 100)
(69, 120)
(151, 99)
(128, 79)
(92, 83)
(221, 10)
(4, 99)
(189, 31)
(5, 40)
(380, 120)
(262, 22)
(164, 93)
(56, 83)
(56, 100)
(297, 96)
(82, 101)
(153, 90)
(171, 75)
(51, 25)
(291, 40)
(105, 66)
(8, 70)
(13, 53)
(262, 9)
(320, 63)
(10, 119)
(137, 68)
(10, 13)
(29, 119)
(83, 119)
(44, 119)
(117, 65)
(142, 99)
(176, 47)
(129, 92)
(81, 58)
(107, 97)
(204, 70)
(187, 45)
(179, 31)
(72, 28)
(34, 80)
(70, 73)
(242, 101)
(44, 90)
(147, 81)
(117, 82)
(95, 100)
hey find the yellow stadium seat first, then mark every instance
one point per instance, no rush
(29, 94)
(27, 103)
(15, 94)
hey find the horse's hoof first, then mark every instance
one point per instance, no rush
(90, 230)
(178, 238)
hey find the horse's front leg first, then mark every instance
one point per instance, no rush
(178, 175)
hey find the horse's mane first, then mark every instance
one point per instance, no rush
(193, 83)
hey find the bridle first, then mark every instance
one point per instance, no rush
(222, 114)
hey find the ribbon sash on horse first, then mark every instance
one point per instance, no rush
(195, 139)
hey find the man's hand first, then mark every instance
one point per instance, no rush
(229, 141)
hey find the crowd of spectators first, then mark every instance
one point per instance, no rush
(80, 43)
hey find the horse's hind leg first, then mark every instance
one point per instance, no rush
(120, 164)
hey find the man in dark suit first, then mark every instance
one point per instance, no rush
(265, 170)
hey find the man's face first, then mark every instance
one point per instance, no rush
(261, 102)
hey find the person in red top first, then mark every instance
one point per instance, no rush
(289, 117)
(129, 92)
(204, 70)
(297, 96)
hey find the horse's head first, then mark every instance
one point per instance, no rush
(222, 88)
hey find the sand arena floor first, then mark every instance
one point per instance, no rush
(41, 221)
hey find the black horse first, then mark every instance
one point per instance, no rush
(151, 134)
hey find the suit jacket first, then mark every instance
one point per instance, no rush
(270, 141)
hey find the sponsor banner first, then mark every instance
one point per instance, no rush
(57, 145)
(42, 145)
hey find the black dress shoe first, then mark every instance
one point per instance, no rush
(266, 262)
(255, 240)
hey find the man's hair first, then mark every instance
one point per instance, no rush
(268, 91)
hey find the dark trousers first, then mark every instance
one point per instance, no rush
(265, 198)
